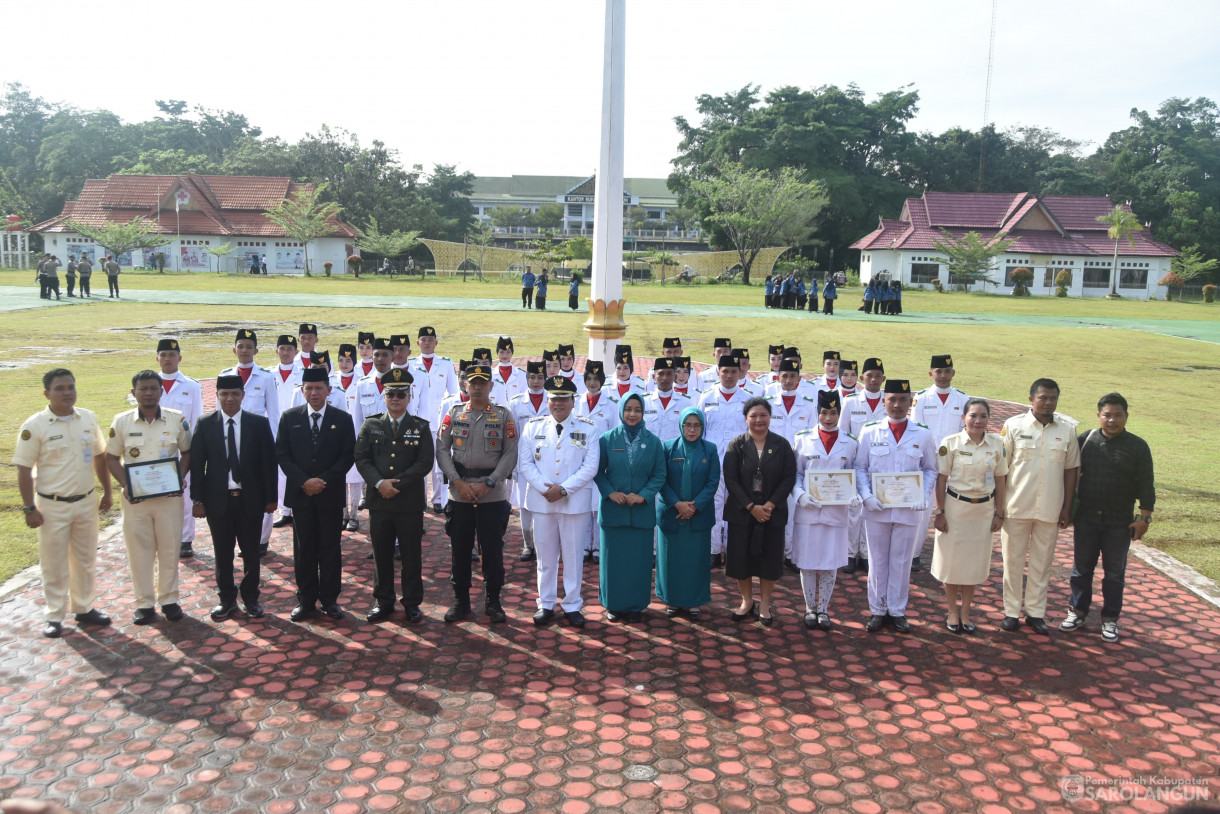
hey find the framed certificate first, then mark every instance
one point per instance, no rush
(898, 490)
(153, 479)
(831, 488)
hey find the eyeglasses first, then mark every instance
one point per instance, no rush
(394, 394)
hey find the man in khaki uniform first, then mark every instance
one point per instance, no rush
(59, 451)
(1043, 460)
(151, 526)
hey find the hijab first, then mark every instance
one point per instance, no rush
(633, 433)
(690, 449)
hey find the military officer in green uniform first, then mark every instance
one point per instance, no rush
(476, 449)
(394, 455)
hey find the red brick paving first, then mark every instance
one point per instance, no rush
(269, 716)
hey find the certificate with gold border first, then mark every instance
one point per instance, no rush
(832, 488)
(148, 479)
(898, 490)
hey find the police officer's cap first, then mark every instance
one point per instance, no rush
(168, 344)
(476, 372)
(899, 386)
(396, 378)
(286, 339)
(872, 363)
(560, 387)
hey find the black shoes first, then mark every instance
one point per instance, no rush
(811, 620)
(379, 613)
(53, 630)
(851, 567)
(738, 617)
(172, 611)
(544, 617)
(791, 566)
(333, 611)
(93, 617)
(916, 565)
(1010, 623)
(875, 623)
(223, 611)
(414, 614)
(494, 612)
(968, 628)
(901, 624)
(527, 554)
(1038, 625)
(187, 551)
(302, 612)
(767, 621)
(717, 561)
(459, 611)
(615, 616)
(283, 520)
(255, 610)
(145, 616)
(953, 627)
(263, 548)
(575, 618)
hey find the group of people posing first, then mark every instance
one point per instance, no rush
(675, 476)
(47, 275)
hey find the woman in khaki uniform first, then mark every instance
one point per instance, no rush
(970, 491)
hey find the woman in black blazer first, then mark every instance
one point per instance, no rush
(759, 473)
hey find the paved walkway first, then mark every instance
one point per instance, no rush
(667, 715)
(16, 298)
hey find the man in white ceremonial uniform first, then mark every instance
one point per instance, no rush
(893, 445)
(671, 346)
(528, 405)
(557, 458)
(507, 381)
(400, 349)
(261, 398)
(307, 338)
(829, 380)
(709, 378)
(791, 413)
(867, 406)
(335, 398)
(287, 378)
(663, 406)
(181, 393)
(724, 420)
(59, 453)
(804, 387)
(441, 377)
(567, 367)
(596, 405)
(744, 381)
(370, 398)
(625, 381)
(346, 382)
(942, 409)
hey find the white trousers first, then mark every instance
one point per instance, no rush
(718, 529)
(440, 492)
(188, 519)
(67, 554)
(890, 548)
(856, 545)
(282, 482)
(560, 537)
(788, 528)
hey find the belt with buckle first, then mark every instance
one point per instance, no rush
(235, 493)
(965, 499)
(72, 499)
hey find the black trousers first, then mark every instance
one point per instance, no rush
(868, 306)
(316, 554)
(527, 298)
(50, 284)
(1111, 542)
(237, 525)
(487, 520)
(405, 528)
(71, 284)
(114, 284)
(84, 285)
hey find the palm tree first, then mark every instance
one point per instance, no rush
(1123, 225)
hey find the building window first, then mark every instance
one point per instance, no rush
(1133, 278)
(924, 273)
(1048, 278)
(1097, 277)
(576, 210)
(1008, 270)
(652, 214)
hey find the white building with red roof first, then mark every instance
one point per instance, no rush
(195, 213)
(1052, 234)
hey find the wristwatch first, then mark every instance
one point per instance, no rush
(28, 509)
(491, 483)
(563, 491)
(938, 512)
(1144, 518)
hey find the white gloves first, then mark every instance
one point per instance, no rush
(872, 504)
(921, 507)
(808, 501)
(855, 502)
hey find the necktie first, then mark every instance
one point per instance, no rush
(394, 421)
(558, 430)
(317, 428)
(232, 449)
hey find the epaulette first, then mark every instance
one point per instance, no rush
(871, 424)
(582, 418)
(925, 426)
(538, 418)
(852, 437)
(806, 398)
(804, 432)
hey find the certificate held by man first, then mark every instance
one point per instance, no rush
(148, 479)
(899, 490)
(834, 488)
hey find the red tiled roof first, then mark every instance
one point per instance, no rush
(991, 214)
(220, 205)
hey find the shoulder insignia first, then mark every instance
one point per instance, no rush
(537, 418)
(112, 432)
(1004, 430)
(25, 435)
(585, 420)
(804, 432)
(806, 398)
(944, 450)
(871, 424)
(852, 437)
(925, 426)
(510, 429)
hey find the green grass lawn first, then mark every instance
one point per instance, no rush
(1162, 377)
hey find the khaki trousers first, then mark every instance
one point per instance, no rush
(1037, 538)
(151, 529)
(67, 554)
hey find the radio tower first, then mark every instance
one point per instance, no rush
(987, 97)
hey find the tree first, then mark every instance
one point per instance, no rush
(392, 245)
(304, 217)
(755, 208)
(968, 258)
(219, 252)
(480, 237)
(508, 217)
(117, 238)
(1190, 265)
(1123, 226)
(548, 216)
(662, 259)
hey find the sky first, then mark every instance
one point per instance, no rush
(514, 87)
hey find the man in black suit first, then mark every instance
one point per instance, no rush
(233, 469)
(315, 446)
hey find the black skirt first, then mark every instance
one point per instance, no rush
(768, 563)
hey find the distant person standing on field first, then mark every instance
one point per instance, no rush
(112, 275)
(829, 294)
(527, 288)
